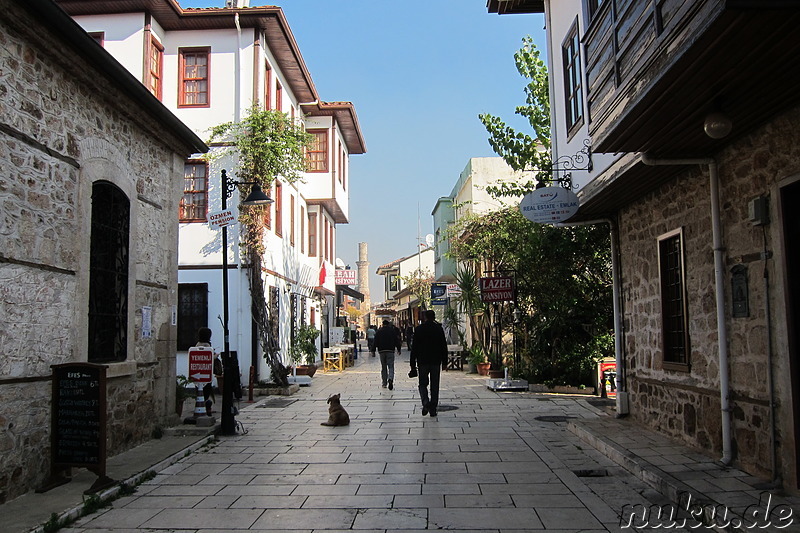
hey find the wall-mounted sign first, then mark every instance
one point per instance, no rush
(345, 276)
(497, 289)
(218, 219)
(549, 205)
(438, 293)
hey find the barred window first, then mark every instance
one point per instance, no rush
(674, 319)
(108, 274)
(192, 312)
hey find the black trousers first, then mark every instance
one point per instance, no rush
(429, 375)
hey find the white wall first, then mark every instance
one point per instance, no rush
(560, 16)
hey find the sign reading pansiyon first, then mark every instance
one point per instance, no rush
(549, 205)
(497, 289)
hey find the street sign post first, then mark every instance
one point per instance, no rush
(201, 361)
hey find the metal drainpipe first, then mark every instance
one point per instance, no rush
(622, 389)
(719, 278)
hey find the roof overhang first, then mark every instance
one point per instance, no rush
(270, 20)
(332, 207)
(731, 66)
(60, 23)
(344, 289)
(511, 7)
(345, 115)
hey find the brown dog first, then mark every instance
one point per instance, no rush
(337, 416)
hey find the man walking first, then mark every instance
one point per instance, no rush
(386, 342)
(429, 355)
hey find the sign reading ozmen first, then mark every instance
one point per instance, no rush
(497, 289)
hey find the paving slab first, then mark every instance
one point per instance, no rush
(490, 462)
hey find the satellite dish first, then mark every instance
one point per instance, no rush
(429, 239)
(339, 263)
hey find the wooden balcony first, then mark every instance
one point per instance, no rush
(656, 68)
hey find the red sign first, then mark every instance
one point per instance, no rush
(201, 361)
(497, 289)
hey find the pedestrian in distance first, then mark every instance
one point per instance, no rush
(409, 334)
(371, 332)
(428, 358)
(387, 341)
(204, 340)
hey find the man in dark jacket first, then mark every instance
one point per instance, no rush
(428, 356)
(386, 342)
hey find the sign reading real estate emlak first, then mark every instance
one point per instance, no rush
(549, 205)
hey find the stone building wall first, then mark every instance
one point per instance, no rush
(63, 126)
(686, 405)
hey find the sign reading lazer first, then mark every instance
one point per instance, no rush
(497, 289)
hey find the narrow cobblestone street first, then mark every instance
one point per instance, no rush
(489, 462)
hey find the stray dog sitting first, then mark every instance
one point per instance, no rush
(337, 416)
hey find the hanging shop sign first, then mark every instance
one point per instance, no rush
(549, 205)
(497, 289)
(219, 219)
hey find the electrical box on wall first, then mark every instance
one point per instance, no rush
(758, 211)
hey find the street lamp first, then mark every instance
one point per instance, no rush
(230, 367)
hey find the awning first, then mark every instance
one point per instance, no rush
(350, 292)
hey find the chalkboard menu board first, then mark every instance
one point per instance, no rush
(79, 415)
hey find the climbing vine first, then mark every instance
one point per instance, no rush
(267, 145)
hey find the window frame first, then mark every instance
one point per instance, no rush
(673, 294)
(182, 80)
(204, 193)
(278, 96)
(99, 37)
(187, 332)
(291, 220)
(573, 80)
(159, 74)
(312, 234)
(302, 229)
(267, 86)
(278, 209)
(109, 274)
(320, 136)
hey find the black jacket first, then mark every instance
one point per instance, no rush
(386, 339)
(429, 346)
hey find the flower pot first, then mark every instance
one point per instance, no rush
(306, 370)
(497, 374)
(483, 368)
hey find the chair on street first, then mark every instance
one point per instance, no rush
(332, 360)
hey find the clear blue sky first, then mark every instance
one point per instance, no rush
(418, 72)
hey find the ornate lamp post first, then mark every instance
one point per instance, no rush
(231, 366)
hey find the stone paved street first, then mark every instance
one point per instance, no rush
(489, 462)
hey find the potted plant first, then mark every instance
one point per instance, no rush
(304, 349)
(184, 389)
(475, 357)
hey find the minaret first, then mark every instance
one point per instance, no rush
(363, 283)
